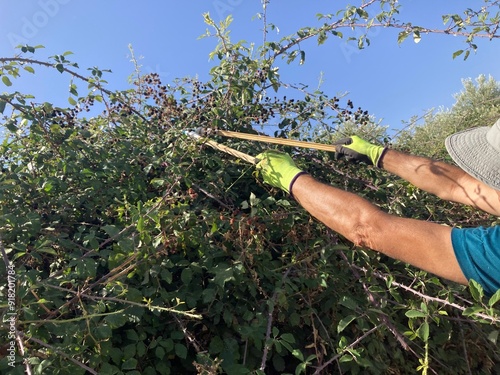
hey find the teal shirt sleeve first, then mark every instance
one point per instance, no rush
(478, 254)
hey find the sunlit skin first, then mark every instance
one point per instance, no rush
(423, 244)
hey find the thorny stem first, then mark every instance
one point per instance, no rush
(376, 304)
(188, 335)
(352, 345)
(341, 23)
(23, 60)
(332, 26)
(466, 356)
(426, 297)
(78, 363)
(267, 346)
(119, 300)
(265, 3)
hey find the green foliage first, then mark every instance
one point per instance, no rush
(139, 251)
(478, 104)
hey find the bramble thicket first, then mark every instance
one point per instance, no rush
(137, 250)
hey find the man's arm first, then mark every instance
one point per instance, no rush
(422, 244)
(446, 181)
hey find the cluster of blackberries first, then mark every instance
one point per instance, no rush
(261, 75)
(121, 109)
(360, 116)
(67, 117)
(152, 79)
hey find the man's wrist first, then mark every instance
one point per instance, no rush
(292, 182)
(379, 161)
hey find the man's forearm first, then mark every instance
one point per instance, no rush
(441, 179)
(342, 211)
(430, 175)
(423, 244)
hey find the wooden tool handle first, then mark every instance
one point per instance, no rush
(227, 150)
(232, 151)
(280, 141)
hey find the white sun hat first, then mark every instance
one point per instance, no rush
(477, 152)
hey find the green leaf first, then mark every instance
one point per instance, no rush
(423, 331)
(322, 37)
(279, 363)
(214, 228)
(362, 13)
(186, 276)
(111, 230)
(116, 355)
(6, 81)
(129, 351)
(166, 275)
(159, 352)
(132, 335)
(72, 89)
(216, 345)
(157, 182)
(86, 268)
(476, 290)
(493, 336)
(457, 53)
(116, 320)
(294, 319)
(29, 69)
(402, 36)
(345, 322)
(298, 354)
(181, 351)
(415, 314)
(286, 345)
(288, 337)
(129, 364)
(168, 344)
(223, 274)
(276, 331)
(3, 103)
(473, 310)
(47, 250)
(349, 303)
(140, 224)
(103, 332)
(346, 358)
(11, 126)
(494, 298)
(141, 349)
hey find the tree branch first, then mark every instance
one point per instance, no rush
(352, 345)
(426, 297)
(61, 353)
(267, 346)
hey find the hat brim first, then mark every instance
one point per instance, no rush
(472, 152)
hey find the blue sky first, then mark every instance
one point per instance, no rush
(394, 82)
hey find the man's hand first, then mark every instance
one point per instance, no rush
(357, 149)
(278, 169)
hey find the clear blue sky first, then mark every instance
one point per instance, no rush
(393, 82)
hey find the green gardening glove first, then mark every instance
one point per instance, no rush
(278, 169)
(358, 150)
